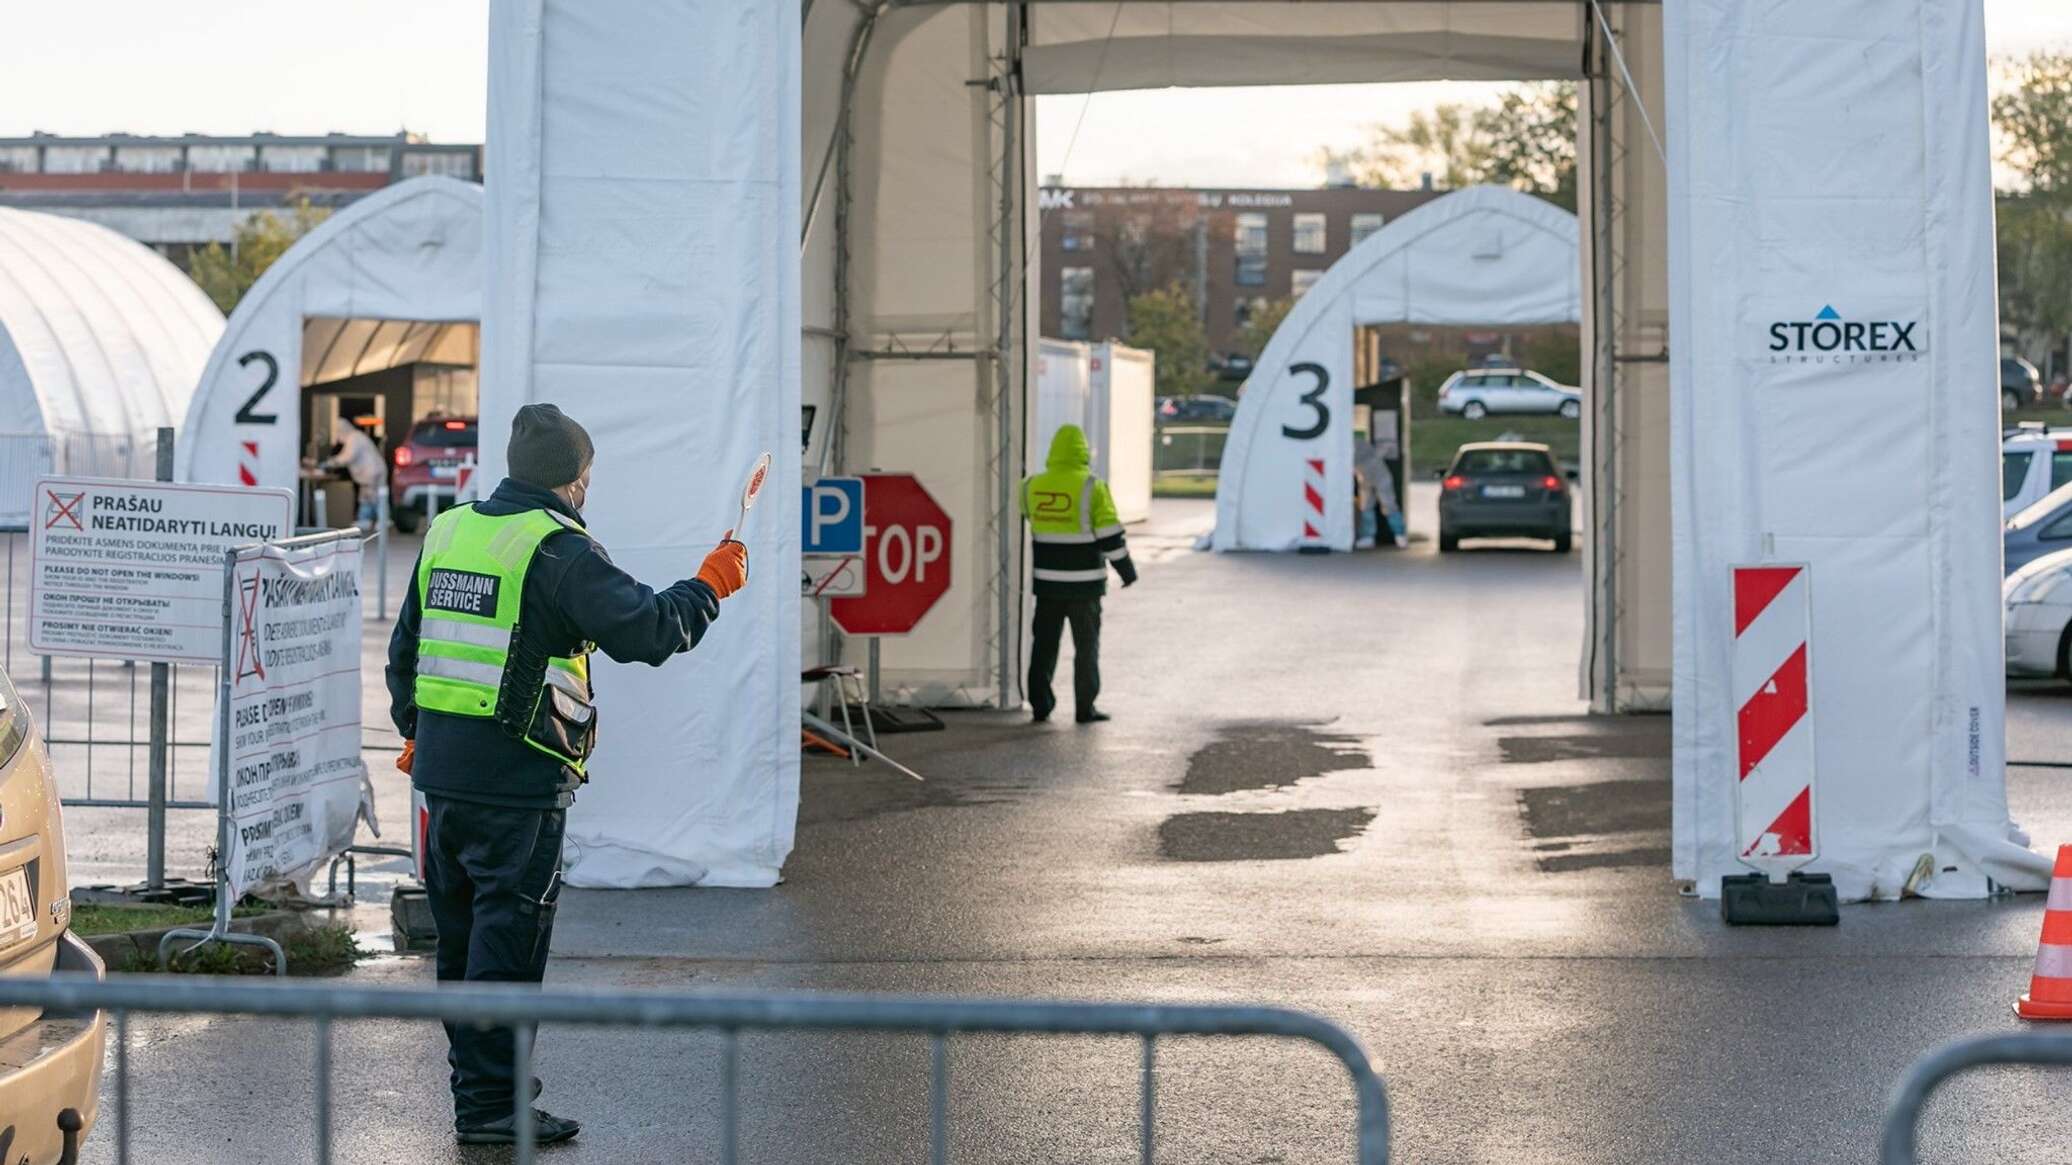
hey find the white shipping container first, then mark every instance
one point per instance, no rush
(1061, 394)
(1121, 383)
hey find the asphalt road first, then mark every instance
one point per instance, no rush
(1356, 784)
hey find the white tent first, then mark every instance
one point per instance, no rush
(411, 254)
(1832, 261)
(920, 236)
(100, 344)
(643, 274)
(1483, 257)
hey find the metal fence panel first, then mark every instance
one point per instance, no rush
(1898, 1142)
(523, 1009)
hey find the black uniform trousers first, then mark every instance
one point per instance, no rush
(1049, 631)
(493, 876)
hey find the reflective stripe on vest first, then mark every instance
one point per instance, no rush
(470, 590)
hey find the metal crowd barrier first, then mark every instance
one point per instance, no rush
(523, 1009)
(1898, 1142)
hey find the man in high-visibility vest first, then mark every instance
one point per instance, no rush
(489, 686)
(1076, 536)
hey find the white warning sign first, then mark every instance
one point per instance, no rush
(134, 569)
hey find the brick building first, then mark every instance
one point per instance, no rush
(1233, 249)
(178, 193)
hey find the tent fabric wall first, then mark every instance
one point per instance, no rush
(411, 252)
(1122, 408)
(100, 344)
(1830, 167)
(643, 274)
(1487, 256)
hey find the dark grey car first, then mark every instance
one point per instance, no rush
(1504, 489)
(2044, 527)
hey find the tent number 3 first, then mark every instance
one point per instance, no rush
(1314, 398)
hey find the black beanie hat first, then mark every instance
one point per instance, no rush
(547, 448)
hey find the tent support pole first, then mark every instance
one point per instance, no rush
(1006, 292)
(1604, 99)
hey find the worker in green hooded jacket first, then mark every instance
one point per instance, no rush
(1076, 537)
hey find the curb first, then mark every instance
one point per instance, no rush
(117, 950)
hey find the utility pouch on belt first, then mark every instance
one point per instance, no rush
(564, 724)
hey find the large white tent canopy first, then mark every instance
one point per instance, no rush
(409, 255)
(101, 341)
(1487, 256)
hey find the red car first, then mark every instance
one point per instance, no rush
(428, 462)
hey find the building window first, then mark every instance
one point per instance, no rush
(1250, 247)
(74, 159)
(1309, 233)
(1246, 309)
(1364, 225)
(292, 159)
(147, 159)
(360, 159)
(17, 159)
(1078, 233)
(450, 163)
(1076, 302)
(220, 159)
(1301, 281)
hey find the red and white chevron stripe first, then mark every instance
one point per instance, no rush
(1313, 499)
(1774, 718)
(248, 464)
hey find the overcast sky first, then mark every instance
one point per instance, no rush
(373, 66)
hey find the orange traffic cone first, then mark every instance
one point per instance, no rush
(2050, 988)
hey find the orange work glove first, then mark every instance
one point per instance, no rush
(725, 569)
(407, 757)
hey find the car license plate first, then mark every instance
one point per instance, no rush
(446, 471)
(17, 907)
(1503, 491)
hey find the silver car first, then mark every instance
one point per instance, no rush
(2043, 528)
(2037, 602)
(1483, 392)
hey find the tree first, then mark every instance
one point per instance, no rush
(1148, 246)
(1526, 140)
(1260, 326)
(1168, 322)
(2034, 118)
(225, 275)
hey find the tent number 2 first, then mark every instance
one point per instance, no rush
(245, 415)
(1314, 398)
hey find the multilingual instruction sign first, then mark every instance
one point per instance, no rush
(134, 569)
(297, 784)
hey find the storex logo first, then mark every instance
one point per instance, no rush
(1827, 338)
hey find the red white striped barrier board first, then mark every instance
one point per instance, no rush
(1773, 730)
(248, 465)
(1313, 499)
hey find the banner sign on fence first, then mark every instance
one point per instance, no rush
(296, 781)
(134, 569)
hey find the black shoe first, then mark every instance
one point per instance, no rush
(547, 1129)
(1096, 716)
(1039, 715)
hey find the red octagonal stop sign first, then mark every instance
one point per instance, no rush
(906, 555)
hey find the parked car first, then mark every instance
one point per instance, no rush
(2020, 384)
(1478, 393)
(1504, 489)
(50, 1061)
(428, 462)
(2037, 600)
(1204, 408)
(2033, 461)
(2044, 527)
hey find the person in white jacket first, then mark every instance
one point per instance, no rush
(362, 462)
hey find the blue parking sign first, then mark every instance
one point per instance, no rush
(831, 516)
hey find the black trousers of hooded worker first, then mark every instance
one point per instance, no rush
(1052, 614)
(492, 876)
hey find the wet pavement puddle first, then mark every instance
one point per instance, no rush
(1602, 825)
(1249, 756)
(1268, 754)
(1285, 835)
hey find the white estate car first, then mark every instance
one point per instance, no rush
(2033, 462)
(1481, 392)
(2037, 600)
